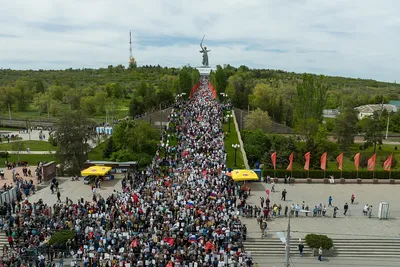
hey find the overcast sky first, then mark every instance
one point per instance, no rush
(355, 38)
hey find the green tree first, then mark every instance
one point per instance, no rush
(311, 98)
(221, 81)
(135, 140)
(136, 107)
(373, 131)
(307, 129)
(18, 146)
(101, 99)
(110, 148)
(6, 97)
(72, 97)
(57, 92)
(73, 133)
(258, 119)
(23, 95)
(345, 128)
(55, 107)
(185, 80)
(89, 104)
(255, 143)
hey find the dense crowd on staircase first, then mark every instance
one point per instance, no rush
(181, 211)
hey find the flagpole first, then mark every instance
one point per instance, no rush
(357, 173)
(324, 173)
(390, 172)
(341, 173)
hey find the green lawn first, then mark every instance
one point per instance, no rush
(34, 145)
(97, 152)
(32, 159)
(8, 129)
(232, 138)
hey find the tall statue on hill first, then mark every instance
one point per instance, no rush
(205, 53)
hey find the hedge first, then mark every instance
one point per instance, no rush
(317, 241)
(337, 174)
(61, 237)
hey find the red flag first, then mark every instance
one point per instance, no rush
(209, 245)
(267, 191)
(169, 240)
(273, 159)
(387, 165)
(135, 198)
(307, 163)
(323, 161)
(371, 163)
(339, 159)
(289, 167)
(357, 161)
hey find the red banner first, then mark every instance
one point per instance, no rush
(357, 161)
(323, 161)
(371, 163)
(387, 165)
(307, 163)
(194, 89)
(273, 159)
(339, 159)
(212, 89)
(290, 166)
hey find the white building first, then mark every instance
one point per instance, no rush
(368, 110)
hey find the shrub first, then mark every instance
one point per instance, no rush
(61, 237)
(317, 241)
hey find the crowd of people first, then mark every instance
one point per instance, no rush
(181, 211)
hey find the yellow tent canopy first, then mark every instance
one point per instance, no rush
(96, 171)
(244, 175)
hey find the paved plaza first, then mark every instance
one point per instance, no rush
(75, 190)
(331, 261)
(354, 225)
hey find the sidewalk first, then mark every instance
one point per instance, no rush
(353, 224)
(31, 152)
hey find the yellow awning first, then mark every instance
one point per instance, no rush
(244, 175)
(96, 171)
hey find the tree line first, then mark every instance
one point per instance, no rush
(115, 91)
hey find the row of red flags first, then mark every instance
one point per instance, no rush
(387, 165)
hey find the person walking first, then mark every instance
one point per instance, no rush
(353, 197)
(330, 201)
(345, 208)
(320, 254)
(301, 248)
(284, 193)
(58, 196)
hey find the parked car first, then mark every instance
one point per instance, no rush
(89, 179)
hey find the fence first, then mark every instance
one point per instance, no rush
(8, 195)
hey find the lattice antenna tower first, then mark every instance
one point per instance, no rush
(132, 60)
(130, 45)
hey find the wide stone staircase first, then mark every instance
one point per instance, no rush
(365, 248)
(3, 241)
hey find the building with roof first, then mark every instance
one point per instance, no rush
(368, 110)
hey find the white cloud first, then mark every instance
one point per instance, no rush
(355, 38)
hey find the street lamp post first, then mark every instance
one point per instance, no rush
(235, 146)
(229, 116)
(223, 95)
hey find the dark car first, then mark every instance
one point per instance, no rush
(89, 179)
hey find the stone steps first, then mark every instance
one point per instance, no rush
(372, 248)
